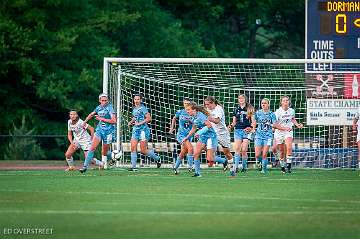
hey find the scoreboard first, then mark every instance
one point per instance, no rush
(332, 32)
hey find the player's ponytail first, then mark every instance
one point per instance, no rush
(199, 108)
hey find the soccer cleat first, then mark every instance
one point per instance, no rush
(232, 174)
(111, 163)
(283, 170)
(262, 172)
(259, 166)
(243, 170)
(82, 170)
(190, 170)
(176, 171)
(158, 164)
(196, 175)
(237, 170)
(225, 165)
(132, 169)
(288, 168)
(70, 168)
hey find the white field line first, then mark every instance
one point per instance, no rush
(153, 174)
(172, 213)
(182, 195)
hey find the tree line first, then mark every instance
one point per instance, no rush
(52, 50)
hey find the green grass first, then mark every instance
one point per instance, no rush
(153, 203)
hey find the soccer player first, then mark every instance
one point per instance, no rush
(185, 126)
(104, 132)
(78, 137)
(356, 127)
(243, 121)
(217, 119)
(285, 116)
(265, 122)
(206, 134)
(140, 132)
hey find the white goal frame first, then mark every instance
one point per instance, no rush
(109, 60)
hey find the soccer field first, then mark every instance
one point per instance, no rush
(154, 203)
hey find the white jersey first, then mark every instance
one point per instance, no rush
(284, 117)
(220, 128)
(79, 131)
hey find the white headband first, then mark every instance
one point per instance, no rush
(103, 95)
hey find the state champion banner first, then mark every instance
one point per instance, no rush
(331, 111)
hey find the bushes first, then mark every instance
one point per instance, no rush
(22, 145)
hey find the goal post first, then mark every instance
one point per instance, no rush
(321, 92)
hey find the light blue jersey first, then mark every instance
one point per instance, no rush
(140, 132)
(264, 121)
(105, 112)
(104, 130)
(208, 138)
(185, 124)
(139, 114)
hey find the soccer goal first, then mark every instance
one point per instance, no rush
(324, 94)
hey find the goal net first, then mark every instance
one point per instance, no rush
(325, 96)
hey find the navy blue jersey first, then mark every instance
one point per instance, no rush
(242, 120)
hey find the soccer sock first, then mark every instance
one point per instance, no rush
(108, 155)
(282, 163)
(88, 158)
(177, 163)
(70, 161)
(133, 159)
(190, 160)
(104, 158)
(244, 163)
(264, 164)
(197, 166)
(219, 159)
(153, 155)
(288, 161)
(259, 159)
(237, 161)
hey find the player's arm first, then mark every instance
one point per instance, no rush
(145, 121)
(253, 123)
(70, 136)
(192, 131)
(131, 122)
(215, 120)
(90, 129)
(297, 125)
(112, 120)
(278, 126)
(89, 116)
(172, 125)
(233, 123)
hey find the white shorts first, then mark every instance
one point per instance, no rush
(82, 144)
(224, 140)
(280, 136)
